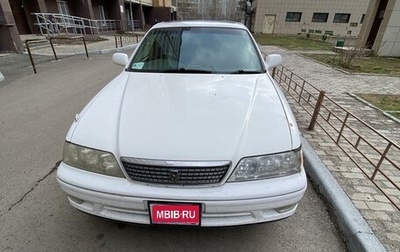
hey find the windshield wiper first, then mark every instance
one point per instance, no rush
(241, 71)
(187, 70)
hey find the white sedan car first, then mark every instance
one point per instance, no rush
(194, 131)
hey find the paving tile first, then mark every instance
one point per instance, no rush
(376, 215)
(379, 206)
(365, 189)
(362, 196)
(360, 204)
(393, 236)
(353, 175)
(381, 198)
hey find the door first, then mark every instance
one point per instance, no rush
(269, 23)
(63, 7)
(102, 15)
(377, 23)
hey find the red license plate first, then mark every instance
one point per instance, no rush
(175, 214)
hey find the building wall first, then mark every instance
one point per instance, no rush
(80, 9)
(51, 6)
(107, 9)
(190, 9)
(19, 16)
(388, 40)
(162, 3)
(356, 9)
(9, 36)
(160, 14)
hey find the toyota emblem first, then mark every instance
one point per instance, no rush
(174, 175)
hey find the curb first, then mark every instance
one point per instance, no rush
(356, 232)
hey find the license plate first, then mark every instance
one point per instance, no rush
(175, 214)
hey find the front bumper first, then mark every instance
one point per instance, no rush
(230, 204)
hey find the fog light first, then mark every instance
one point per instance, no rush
(76, 200)
(286, 208)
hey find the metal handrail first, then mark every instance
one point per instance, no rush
(350, 133)
(28, 42)
(55, 23)
(69, 38)
(120, 39)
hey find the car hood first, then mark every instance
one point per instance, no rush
(186, 117)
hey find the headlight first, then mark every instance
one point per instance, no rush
(91, 160)
(268, 166)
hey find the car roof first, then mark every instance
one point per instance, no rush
(200, 23)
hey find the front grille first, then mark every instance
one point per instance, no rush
(176, 174)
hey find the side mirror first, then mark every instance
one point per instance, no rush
(120, 59)
(273, 60)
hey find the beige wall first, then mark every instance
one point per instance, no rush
(162, 3)
(388, 39)
(369, 20)
(307, 7)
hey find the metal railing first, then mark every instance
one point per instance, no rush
(29, 42)
(69, 38)
(120, 40)
(108, 25)
(375, 155)
(56, 23)
(136, 24)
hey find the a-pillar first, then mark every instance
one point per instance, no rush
(9, 35)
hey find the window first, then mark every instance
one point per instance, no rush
(362, 18)
(197, 50)
(341, 18)
(320, 17)
(63, 7)
(293, 17)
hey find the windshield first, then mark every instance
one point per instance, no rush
(197, 50)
